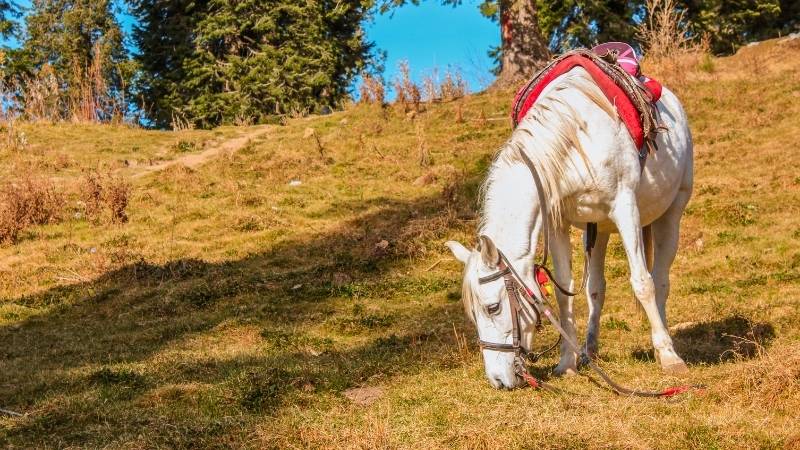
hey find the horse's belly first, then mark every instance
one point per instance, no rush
(656, 191)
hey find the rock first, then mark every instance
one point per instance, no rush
(308, 133)
(364, 396)
(426, 179)
(383, 244)
(341, 279)
(295, 183)
(297, 286)
(681, 326)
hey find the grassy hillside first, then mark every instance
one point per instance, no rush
(238, 307)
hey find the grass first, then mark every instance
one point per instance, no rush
(237, 309)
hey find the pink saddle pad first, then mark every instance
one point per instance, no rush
(626, 57)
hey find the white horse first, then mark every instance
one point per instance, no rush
(590, 172)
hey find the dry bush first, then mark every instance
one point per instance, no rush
(11, 137)
(452, 86)
(670, 51)
(26, 203)
(371, 90)
(408, 94)
(422, 147)
(42, 98)
(180, 123)
(105, 197)
(92, 101)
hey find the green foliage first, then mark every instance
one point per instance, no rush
(225, 61)
(730, 23)
(584, 23)
(8, 12)
(76, 46)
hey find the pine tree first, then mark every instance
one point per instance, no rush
(730, 23)
(80, 44)
(230, 61)
(9, 11)
(584, 23)
(164, 36)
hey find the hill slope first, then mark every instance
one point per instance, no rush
(238, 307)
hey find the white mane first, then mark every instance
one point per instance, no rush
(548, 134)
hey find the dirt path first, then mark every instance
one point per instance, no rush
(195, 159)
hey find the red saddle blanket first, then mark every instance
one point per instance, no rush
(625, 107)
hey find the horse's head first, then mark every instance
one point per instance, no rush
(488, 306)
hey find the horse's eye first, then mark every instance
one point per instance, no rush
(493, 309)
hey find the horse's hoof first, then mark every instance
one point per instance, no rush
(677, 369)
(566, 371)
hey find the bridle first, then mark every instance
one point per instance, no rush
(520, 300)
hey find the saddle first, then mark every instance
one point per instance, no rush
(615, 69)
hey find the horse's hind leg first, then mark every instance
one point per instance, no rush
(666, 234)
(625, 215)
(596, 291)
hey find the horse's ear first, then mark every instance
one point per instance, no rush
(489, 251)
(459, 251)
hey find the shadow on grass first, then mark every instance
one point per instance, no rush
(718, 341)
(66, 367)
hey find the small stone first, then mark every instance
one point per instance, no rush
(364, 396)
(341, 279)
(383, 244)
(295, 183)
(308, 133)
(296, 287)
(426, 179)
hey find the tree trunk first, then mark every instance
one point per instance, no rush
(524, 49)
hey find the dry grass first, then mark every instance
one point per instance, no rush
(235, 309)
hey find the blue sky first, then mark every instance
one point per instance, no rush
(429, 36)
(432, 35)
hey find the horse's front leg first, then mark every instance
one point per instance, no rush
(625, 215)
(562, 264)
(596, 292)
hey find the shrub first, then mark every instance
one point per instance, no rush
(25, 203)
(371, 90)
(105, 197)
(408, 94)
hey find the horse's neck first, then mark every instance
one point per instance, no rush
(511, 210)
